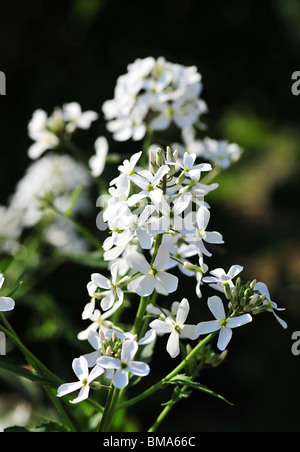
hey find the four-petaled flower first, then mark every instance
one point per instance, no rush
(221, 323)
(81, 370)
(220, 278)
(112, 291)
(124, 365)
(154, 277)
(176, 328)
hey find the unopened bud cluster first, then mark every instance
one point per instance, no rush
(111, 346)
(245, 298)
(159, 158)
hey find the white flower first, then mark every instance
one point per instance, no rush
(73, 114)
(200, 233)
(149, 185)
(98, 319)
(58, 174)
(154, 89)
(137, 226)
(130, 126)
(124, 365)
(6, 303)
(97, 161)
(81, 370)
(176, 328)
(221, 323)
(128, 166)
(189, 168)
(171, 216)
(38, 131)
(221, 153)
(263, 290)
(154, 277)
(220, 278)
(117, 204)
(112, 291)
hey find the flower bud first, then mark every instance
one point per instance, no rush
(192, 268)
(227, 290)
(95, 385)
(160, 157)
(253, 284)
(102, 336)
(153, 168)
(181, 178)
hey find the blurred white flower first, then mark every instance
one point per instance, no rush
(97, 161)
(75, 118)
(154, 92)
(221, 153)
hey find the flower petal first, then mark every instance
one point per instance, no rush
(239, 321)
(80, 368)
(95, 373)
(107, 362)
(162, 258)
(120, 379)
(189, 332)
(168, 281)
(138, 262)
(161, 327)
(207, 327)
(183, 311)
(215, 305)
(100, 281)
(139, 368)
(143, 286)
(129, 349)
(224, 338)
(83, 395)
(6, 304)
(173, 344)
(67, 388)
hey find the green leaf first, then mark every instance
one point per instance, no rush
(48, 426)
(25, 373)
(184, 380)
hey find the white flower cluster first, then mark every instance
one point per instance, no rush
(55, 175)
(154, 93)
(46, 132)
(221, 154)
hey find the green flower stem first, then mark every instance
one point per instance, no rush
(36, 364)
(140, 315)
(109, 409)
(56, 402)
(171, 375)
(31, 359)
(161, 417)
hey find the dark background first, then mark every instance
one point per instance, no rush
(54, 52)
